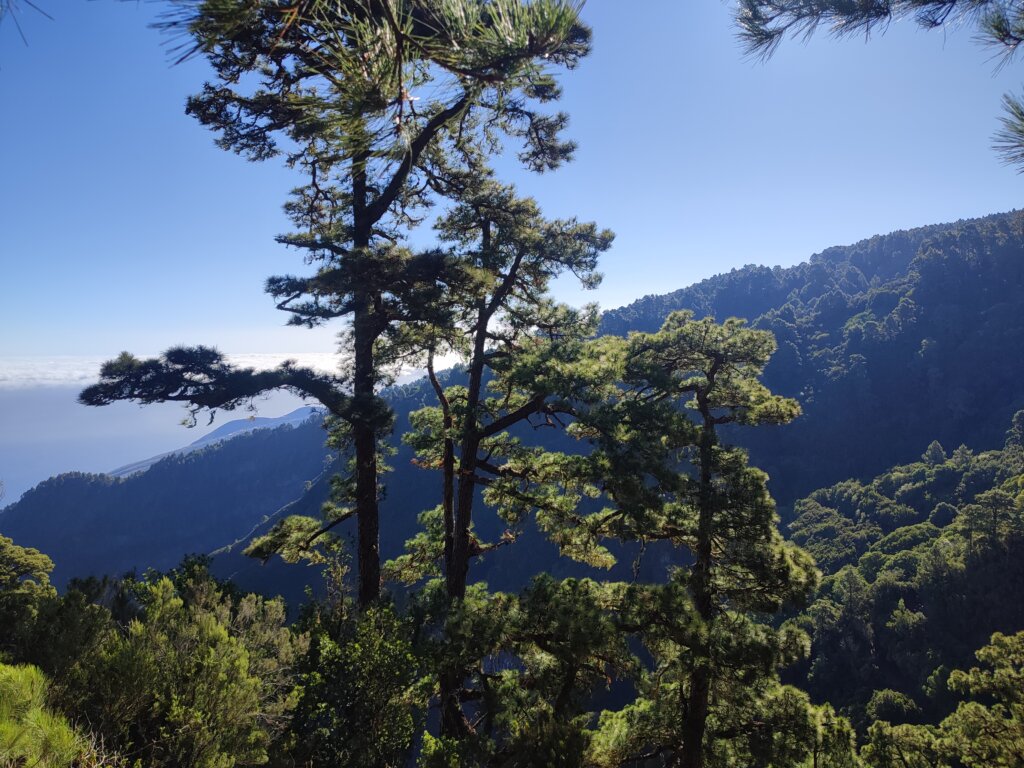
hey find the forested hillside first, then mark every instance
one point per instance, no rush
(887, 344)
(923, 564)
(209, 501)
(191, 503)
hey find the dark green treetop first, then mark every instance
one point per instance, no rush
(985, 730)
(658, 459)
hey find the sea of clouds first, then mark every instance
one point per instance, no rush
(68, 370)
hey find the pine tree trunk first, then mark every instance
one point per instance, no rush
(699, 699)
(458, 571)
(364, 436)
(454, 724)
(453, 719)
(696, 718)
(447, 465)
(365, 443)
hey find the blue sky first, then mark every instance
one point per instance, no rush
(122, 226)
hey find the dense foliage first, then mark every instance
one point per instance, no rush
(32, 734)
(987, 729)
(175, 670)
(920, 563)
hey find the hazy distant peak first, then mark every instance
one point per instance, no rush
(226, 431)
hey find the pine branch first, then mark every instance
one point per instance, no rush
(202, 378)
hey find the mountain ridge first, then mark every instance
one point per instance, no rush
(226, 431)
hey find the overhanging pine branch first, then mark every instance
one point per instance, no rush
(377, 209)
(202, 377)
(499, 425)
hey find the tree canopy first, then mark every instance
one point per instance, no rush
(763, 24)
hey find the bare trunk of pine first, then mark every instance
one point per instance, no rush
(698, 700)
(364, 437)
(453, 719)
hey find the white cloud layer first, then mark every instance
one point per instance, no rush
(19, 372)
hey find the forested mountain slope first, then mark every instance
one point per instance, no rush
(226, 431)
(888, 344)
(204, 501)
(923, 564)
(187, 503)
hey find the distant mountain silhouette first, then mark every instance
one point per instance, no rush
(226, 431)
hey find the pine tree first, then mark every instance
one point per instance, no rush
(661, 463)
(335, 87)
(24, 582)
(514, 340)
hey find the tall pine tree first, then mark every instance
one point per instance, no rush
(368, 98)
(711, 694)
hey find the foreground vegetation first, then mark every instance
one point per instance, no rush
(908, 653)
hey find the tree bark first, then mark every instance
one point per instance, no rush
(364, 436)
(447, 463)
(365, 443)
(453, 719)
(458, 571)
(698, 701)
